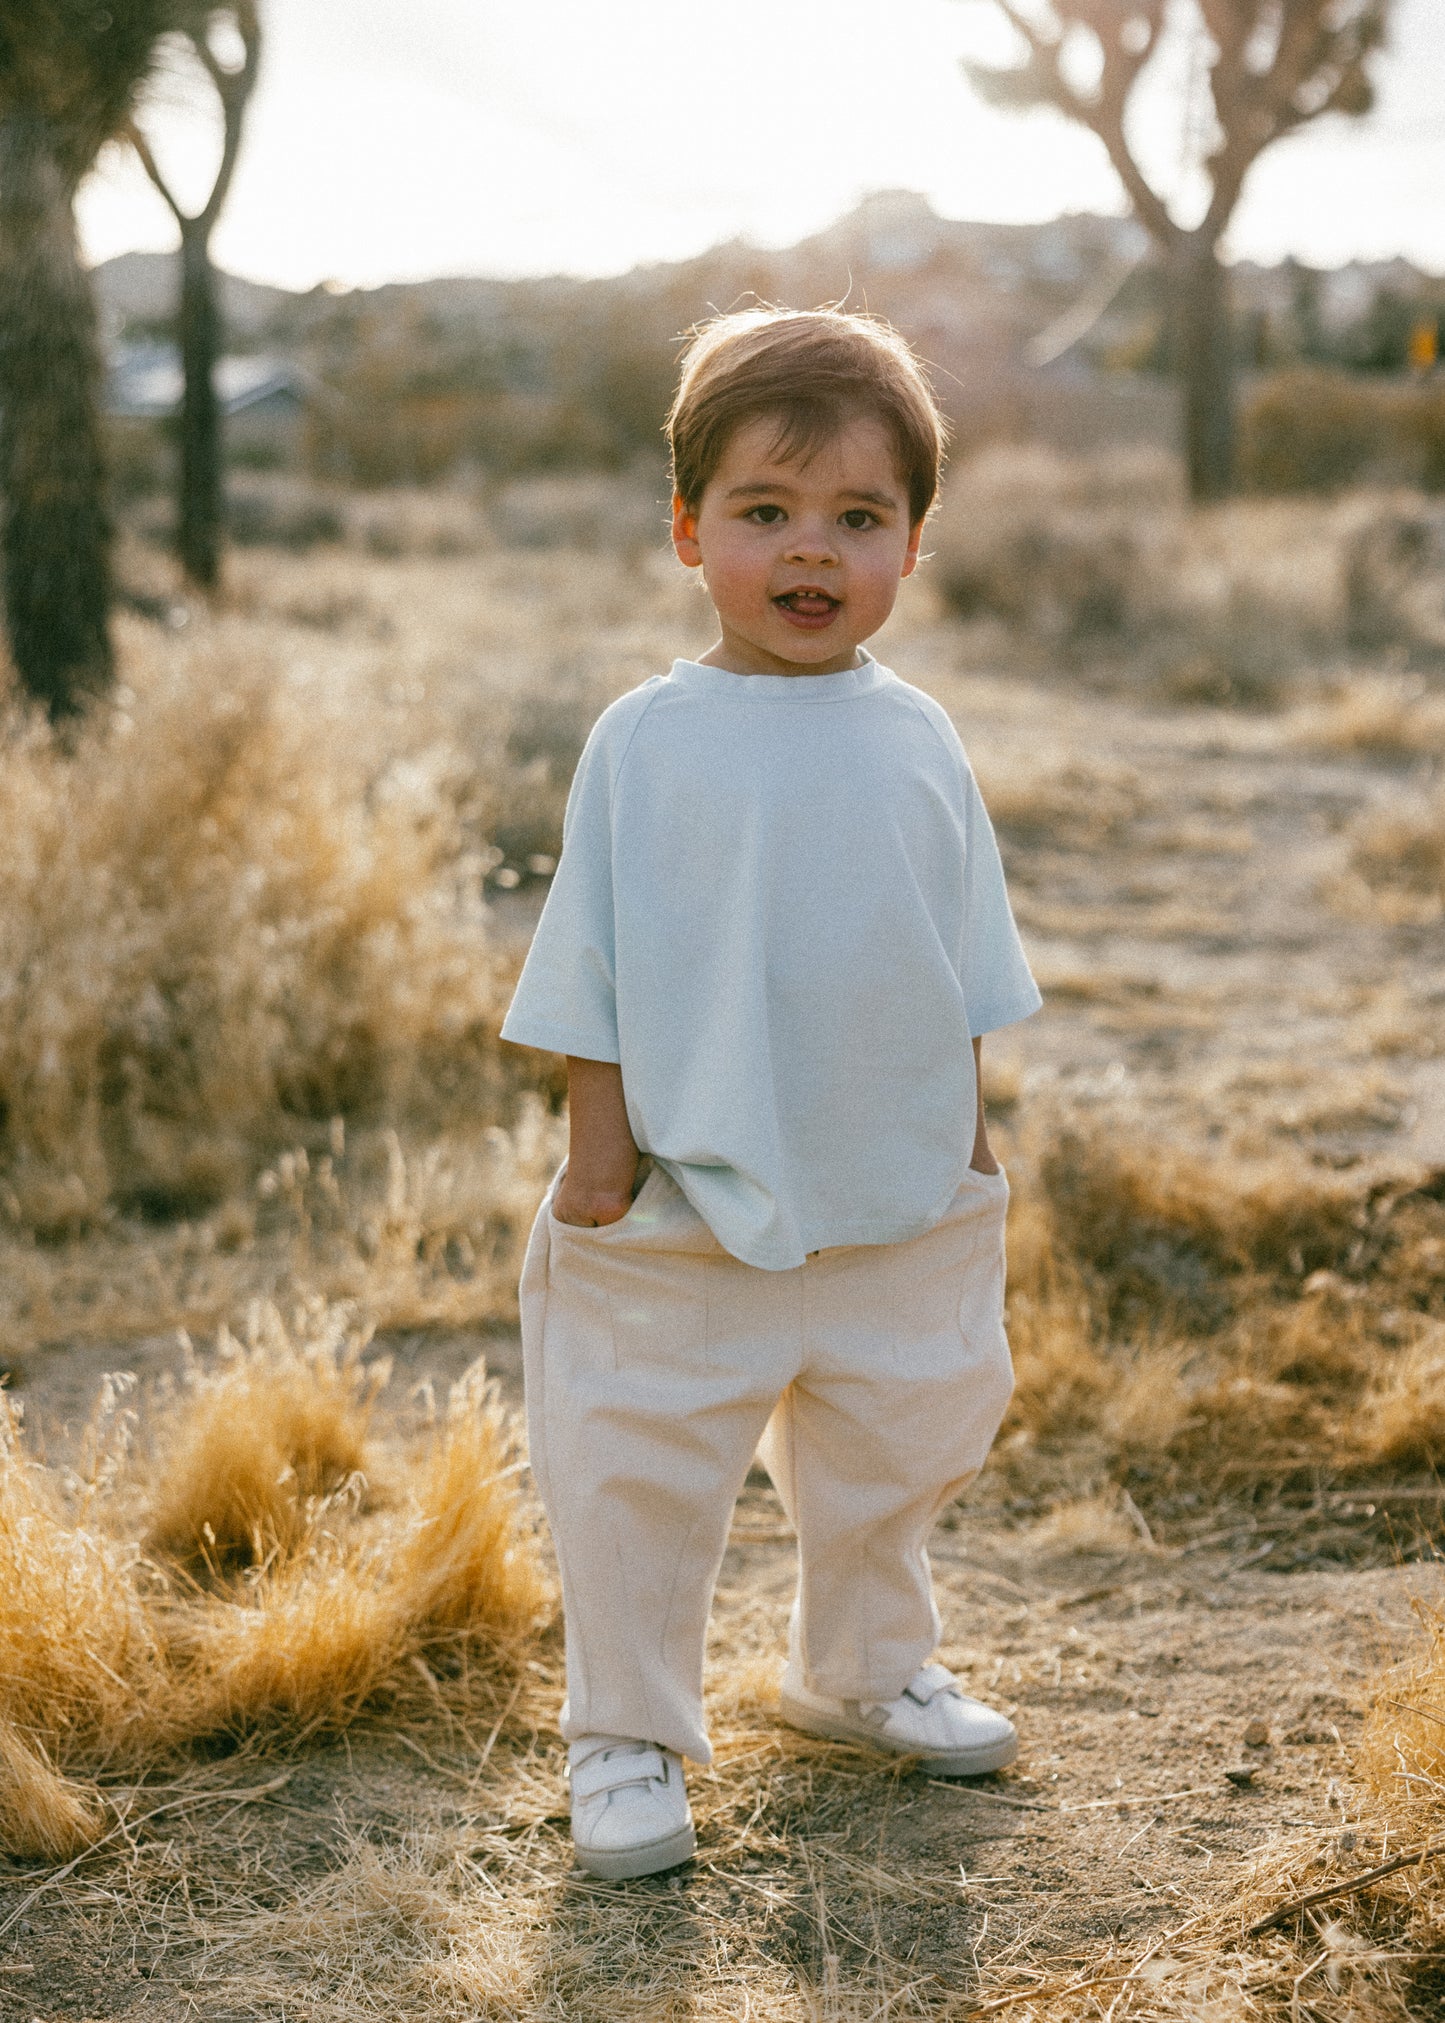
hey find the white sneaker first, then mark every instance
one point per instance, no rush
(932, 1718)
(630, 1814)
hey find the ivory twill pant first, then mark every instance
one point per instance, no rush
(876, 1376)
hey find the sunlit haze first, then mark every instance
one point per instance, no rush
(392, 141)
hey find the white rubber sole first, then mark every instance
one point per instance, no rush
(621, 1864)
(975, 1762)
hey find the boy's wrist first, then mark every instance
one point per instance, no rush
(592, 1198)
(593, 1202)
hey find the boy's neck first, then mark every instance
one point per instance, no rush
(732, 657)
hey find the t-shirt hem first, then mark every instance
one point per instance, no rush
(839, 1236)
(553, 1039)
(1011, 1013)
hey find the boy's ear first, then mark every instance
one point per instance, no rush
(910, 554)
(684, 533)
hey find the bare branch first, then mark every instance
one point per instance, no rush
(1127, 35)
(142, 146)
(233, 88)
(1277, 64)
(1317, 65)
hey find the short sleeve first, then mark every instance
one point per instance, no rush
(998, 986)
(566, 997)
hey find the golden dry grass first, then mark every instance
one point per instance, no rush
(1399, 856)
(1189, 1316)
(211, 937)
(249, 1580)
(1382, 716)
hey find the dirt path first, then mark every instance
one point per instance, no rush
(1184, 883)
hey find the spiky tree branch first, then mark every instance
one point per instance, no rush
(201, 507)
(1274, 65)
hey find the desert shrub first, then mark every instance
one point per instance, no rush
(1382, 716)
(405, 521)
(1312, 430)
(1098, 562)
(1394, 564)
(1158, 1236)
(1316, 430)
(282, 513)
(216, 924)
(587, 511)
(1053, 547)
(1399, 853)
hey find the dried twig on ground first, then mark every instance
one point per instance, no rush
(1285, 1912)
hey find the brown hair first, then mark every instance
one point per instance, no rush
(812, 369)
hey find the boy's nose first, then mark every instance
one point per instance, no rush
(812, 544)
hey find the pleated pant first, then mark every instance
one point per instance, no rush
(875, 1377)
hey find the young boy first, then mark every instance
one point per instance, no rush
(776, 934)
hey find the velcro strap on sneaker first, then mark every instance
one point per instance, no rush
(926, 1684)
(609, 1771)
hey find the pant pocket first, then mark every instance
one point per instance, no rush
(642, 1282)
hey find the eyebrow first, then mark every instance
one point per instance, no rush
(758, 490)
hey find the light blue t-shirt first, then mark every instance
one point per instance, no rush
(780, 908)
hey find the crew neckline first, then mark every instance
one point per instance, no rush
(699, 679)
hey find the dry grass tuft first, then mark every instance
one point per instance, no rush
(43, 1816)
(81, 1659)
(1399, 857)
(258, 1441)
(465, 1558)
(1097, 563)
(1380, 716)
(1404, 1410)
(1181, 1315)
(314, 1599)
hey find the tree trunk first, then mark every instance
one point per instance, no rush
(1204, 353)
(56, 534)
(202, 504)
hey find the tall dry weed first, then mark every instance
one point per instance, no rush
(218, 922)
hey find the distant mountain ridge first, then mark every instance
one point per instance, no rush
(890, 234)
(143, 288)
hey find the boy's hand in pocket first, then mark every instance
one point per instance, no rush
(602, 1157)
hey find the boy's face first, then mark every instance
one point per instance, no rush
(802, 560)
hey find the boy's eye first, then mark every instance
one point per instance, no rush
(765, 516)
(859, 517)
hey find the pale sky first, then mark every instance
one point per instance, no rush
(400, 139)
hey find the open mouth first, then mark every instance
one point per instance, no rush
(808, 605)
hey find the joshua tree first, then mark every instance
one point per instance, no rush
(69, 71)
(1272, 65)
(201, 505)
